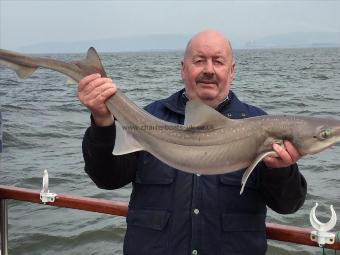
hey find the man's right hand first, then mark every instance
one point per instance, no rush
(93, 91)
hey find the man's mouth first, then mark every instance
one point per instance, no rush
(207, 82)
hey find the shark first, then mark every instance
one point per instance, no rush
(208, 142)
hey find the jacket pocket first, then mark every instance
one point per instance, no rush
(151, 219)
(150, 170)
(235, 222)
(243, 233)
(147, 232)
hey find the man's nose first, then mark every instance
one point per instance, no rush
(209, 67)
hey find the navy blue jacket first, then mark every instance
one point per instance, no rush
(176, 213)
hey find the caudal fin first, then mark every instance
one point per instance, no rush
(22, 71)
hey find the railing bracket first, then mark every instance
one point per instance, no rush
(45, 195)
(321, 234)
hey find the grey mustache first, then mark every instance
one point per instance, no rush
(207, 79)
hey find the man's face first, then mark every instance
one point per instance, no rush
(207, 68)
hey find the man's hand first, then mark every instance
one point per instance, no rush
(288, 155)
(93, 91)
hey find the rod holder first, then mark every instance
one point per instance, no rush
(321, 234)
(45, 195)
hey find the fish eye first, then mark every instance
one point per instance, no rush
(324, 134)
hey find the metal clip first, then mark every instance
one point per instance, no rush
(321, 234)
(45, 195)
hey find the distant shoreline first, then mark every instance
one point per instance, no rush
(176, 50)
(177, 42)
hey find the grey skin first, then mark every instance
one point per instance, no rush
(208, 142)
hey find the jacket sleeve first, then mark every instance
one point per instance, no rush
(283, 189)
(106, 170)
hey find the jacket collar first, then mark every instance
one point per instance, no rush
(177, 102)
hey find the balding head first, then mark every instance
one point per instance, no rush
(208, 67)
(208, 36)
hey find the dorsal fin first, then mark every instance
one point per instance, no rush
(198, 114)
(93, 59)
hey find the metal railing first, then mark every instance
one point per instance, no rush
(291, 234)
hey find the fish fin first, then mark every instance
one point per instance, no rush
(198, 114)
(125, 143)
(22, 71)
(93, 59)
(250, 169)
(91, 64)
(70, 81)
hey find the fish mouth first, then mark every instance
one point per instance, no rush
(312, 152)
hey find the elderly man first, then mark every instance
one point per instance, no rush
(176, 213)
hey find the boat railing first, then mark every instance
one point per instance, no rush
(291, 234)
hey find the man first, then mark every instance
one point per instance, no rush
(176, 213)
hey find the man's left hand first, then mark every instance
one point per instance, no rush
(288, 155)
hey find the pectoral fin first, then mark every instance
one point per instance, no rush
(253, 165)
(125, 143)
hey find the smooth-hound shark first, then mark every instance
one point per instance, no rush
(208, 142)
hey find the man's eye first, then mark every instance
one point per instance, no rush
(219, 62)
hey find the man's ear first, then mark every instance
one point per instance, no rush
(231, 71)
(183, 70)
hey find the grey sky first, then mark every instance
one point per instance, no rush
(27, 22)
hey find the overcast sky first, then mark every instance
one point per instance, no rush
(28, 22)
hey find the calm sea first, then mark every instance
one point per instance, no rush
(44, 124)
